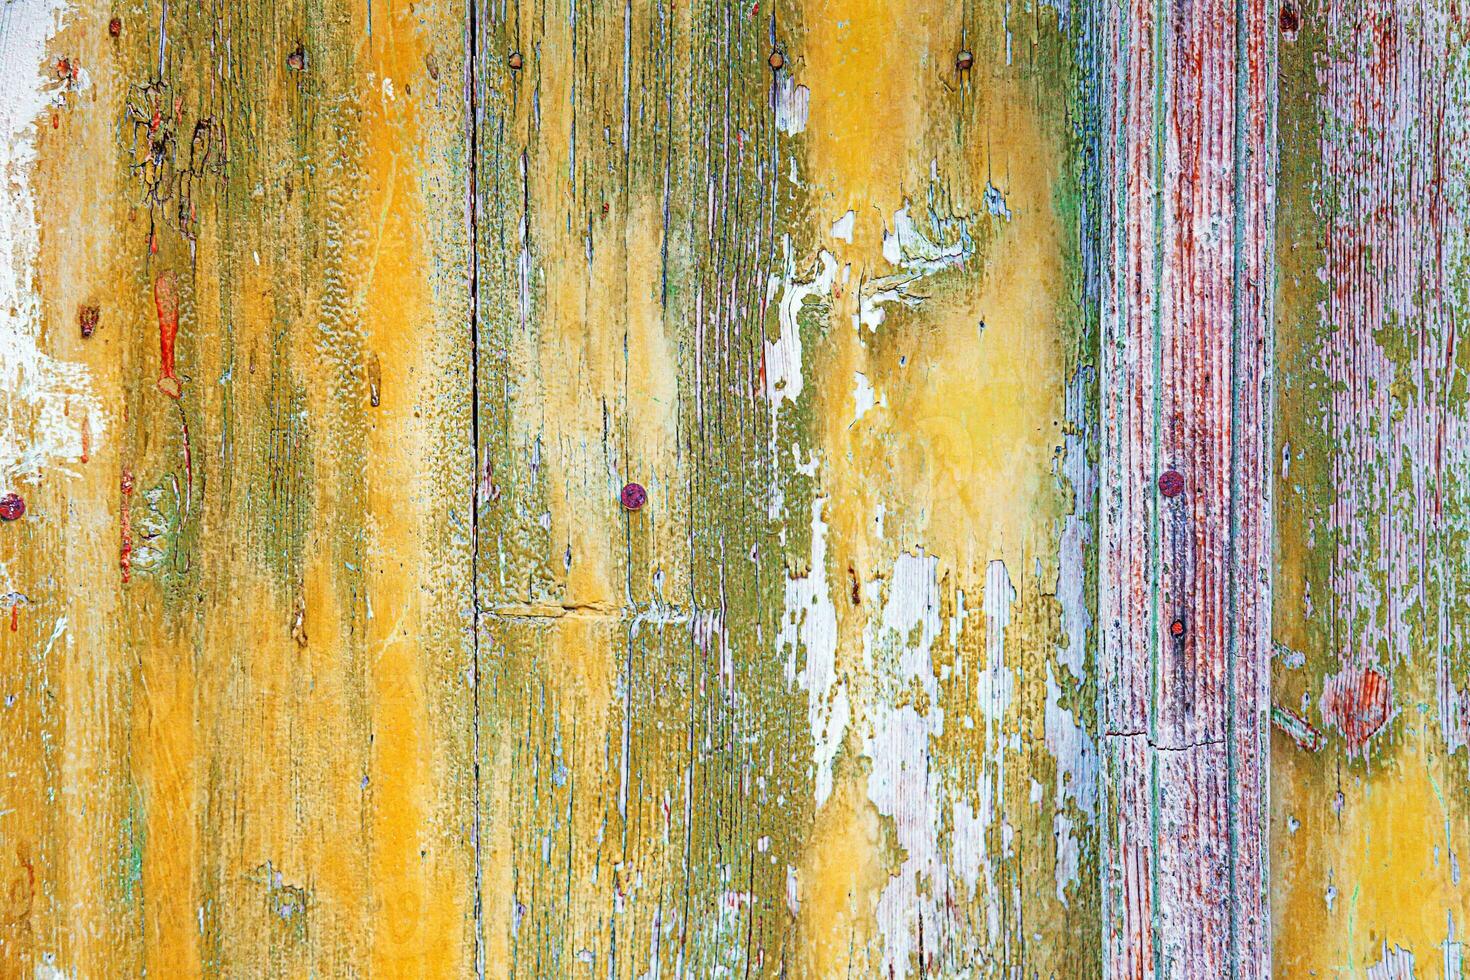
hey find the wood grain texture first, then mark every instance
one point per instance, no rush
(1010, 461)
(1370, 828)
(238, 683)
(813, 710)
(1184, 543)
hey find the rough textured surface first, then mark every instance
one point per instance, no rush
(994, 435)
(1371, 458)
(1184, 583)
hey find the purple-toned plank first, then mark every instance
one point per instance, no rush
(1184, 586)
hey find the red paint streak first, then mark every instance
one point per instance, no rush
(15, 617)
(125, 554)
(1357, 701)
(1184, 235)
(86, 437)
(166, 300)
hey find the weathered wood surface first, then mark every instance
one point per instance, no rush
(962, 351)
(1184, 594)
(238, 739)
(1370, 814)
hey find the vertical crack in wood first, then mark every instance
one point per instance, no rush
(472, 222)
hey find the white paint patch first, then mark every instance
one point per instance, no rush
(44, 401)
(809, 623)
(842, 227)
(967, 850)
(791, 103)
(1074, 751)
(900, 783)
(995, 202)
(1068, 853)
(864, 398)
(997, 685)
(783, 356)
(1396, 964)
(915, 257)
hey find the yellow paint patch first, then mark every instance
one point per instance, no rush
(955, 456)
(412, 917)
(1389, 851)
(844, 868)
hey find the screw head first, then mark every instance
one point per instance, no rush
(12, 507)
(964, 61)
(776, 60)
(1171, 483)
(633, 496)
(514, 61)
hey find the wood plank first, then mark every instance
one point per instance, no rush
(1369, 820)
(1184, 549)
(822, 706)
(560, 489)
(239, 672)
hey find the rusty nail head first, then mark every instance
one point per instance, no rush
(964, 60)
(297, 59)
(633, 496)
(1171, 483)
(776, 60)
(514, 61)
(1176, 628)
(114, 26)
(12, 507)
(87, 318)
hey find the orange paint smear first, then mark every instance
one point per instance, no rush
(166, 300)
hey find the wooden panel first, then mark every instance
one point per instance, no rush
(823, 705)
(1184, 583)
(335, 336)
(1369, 816)
(237, 682)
